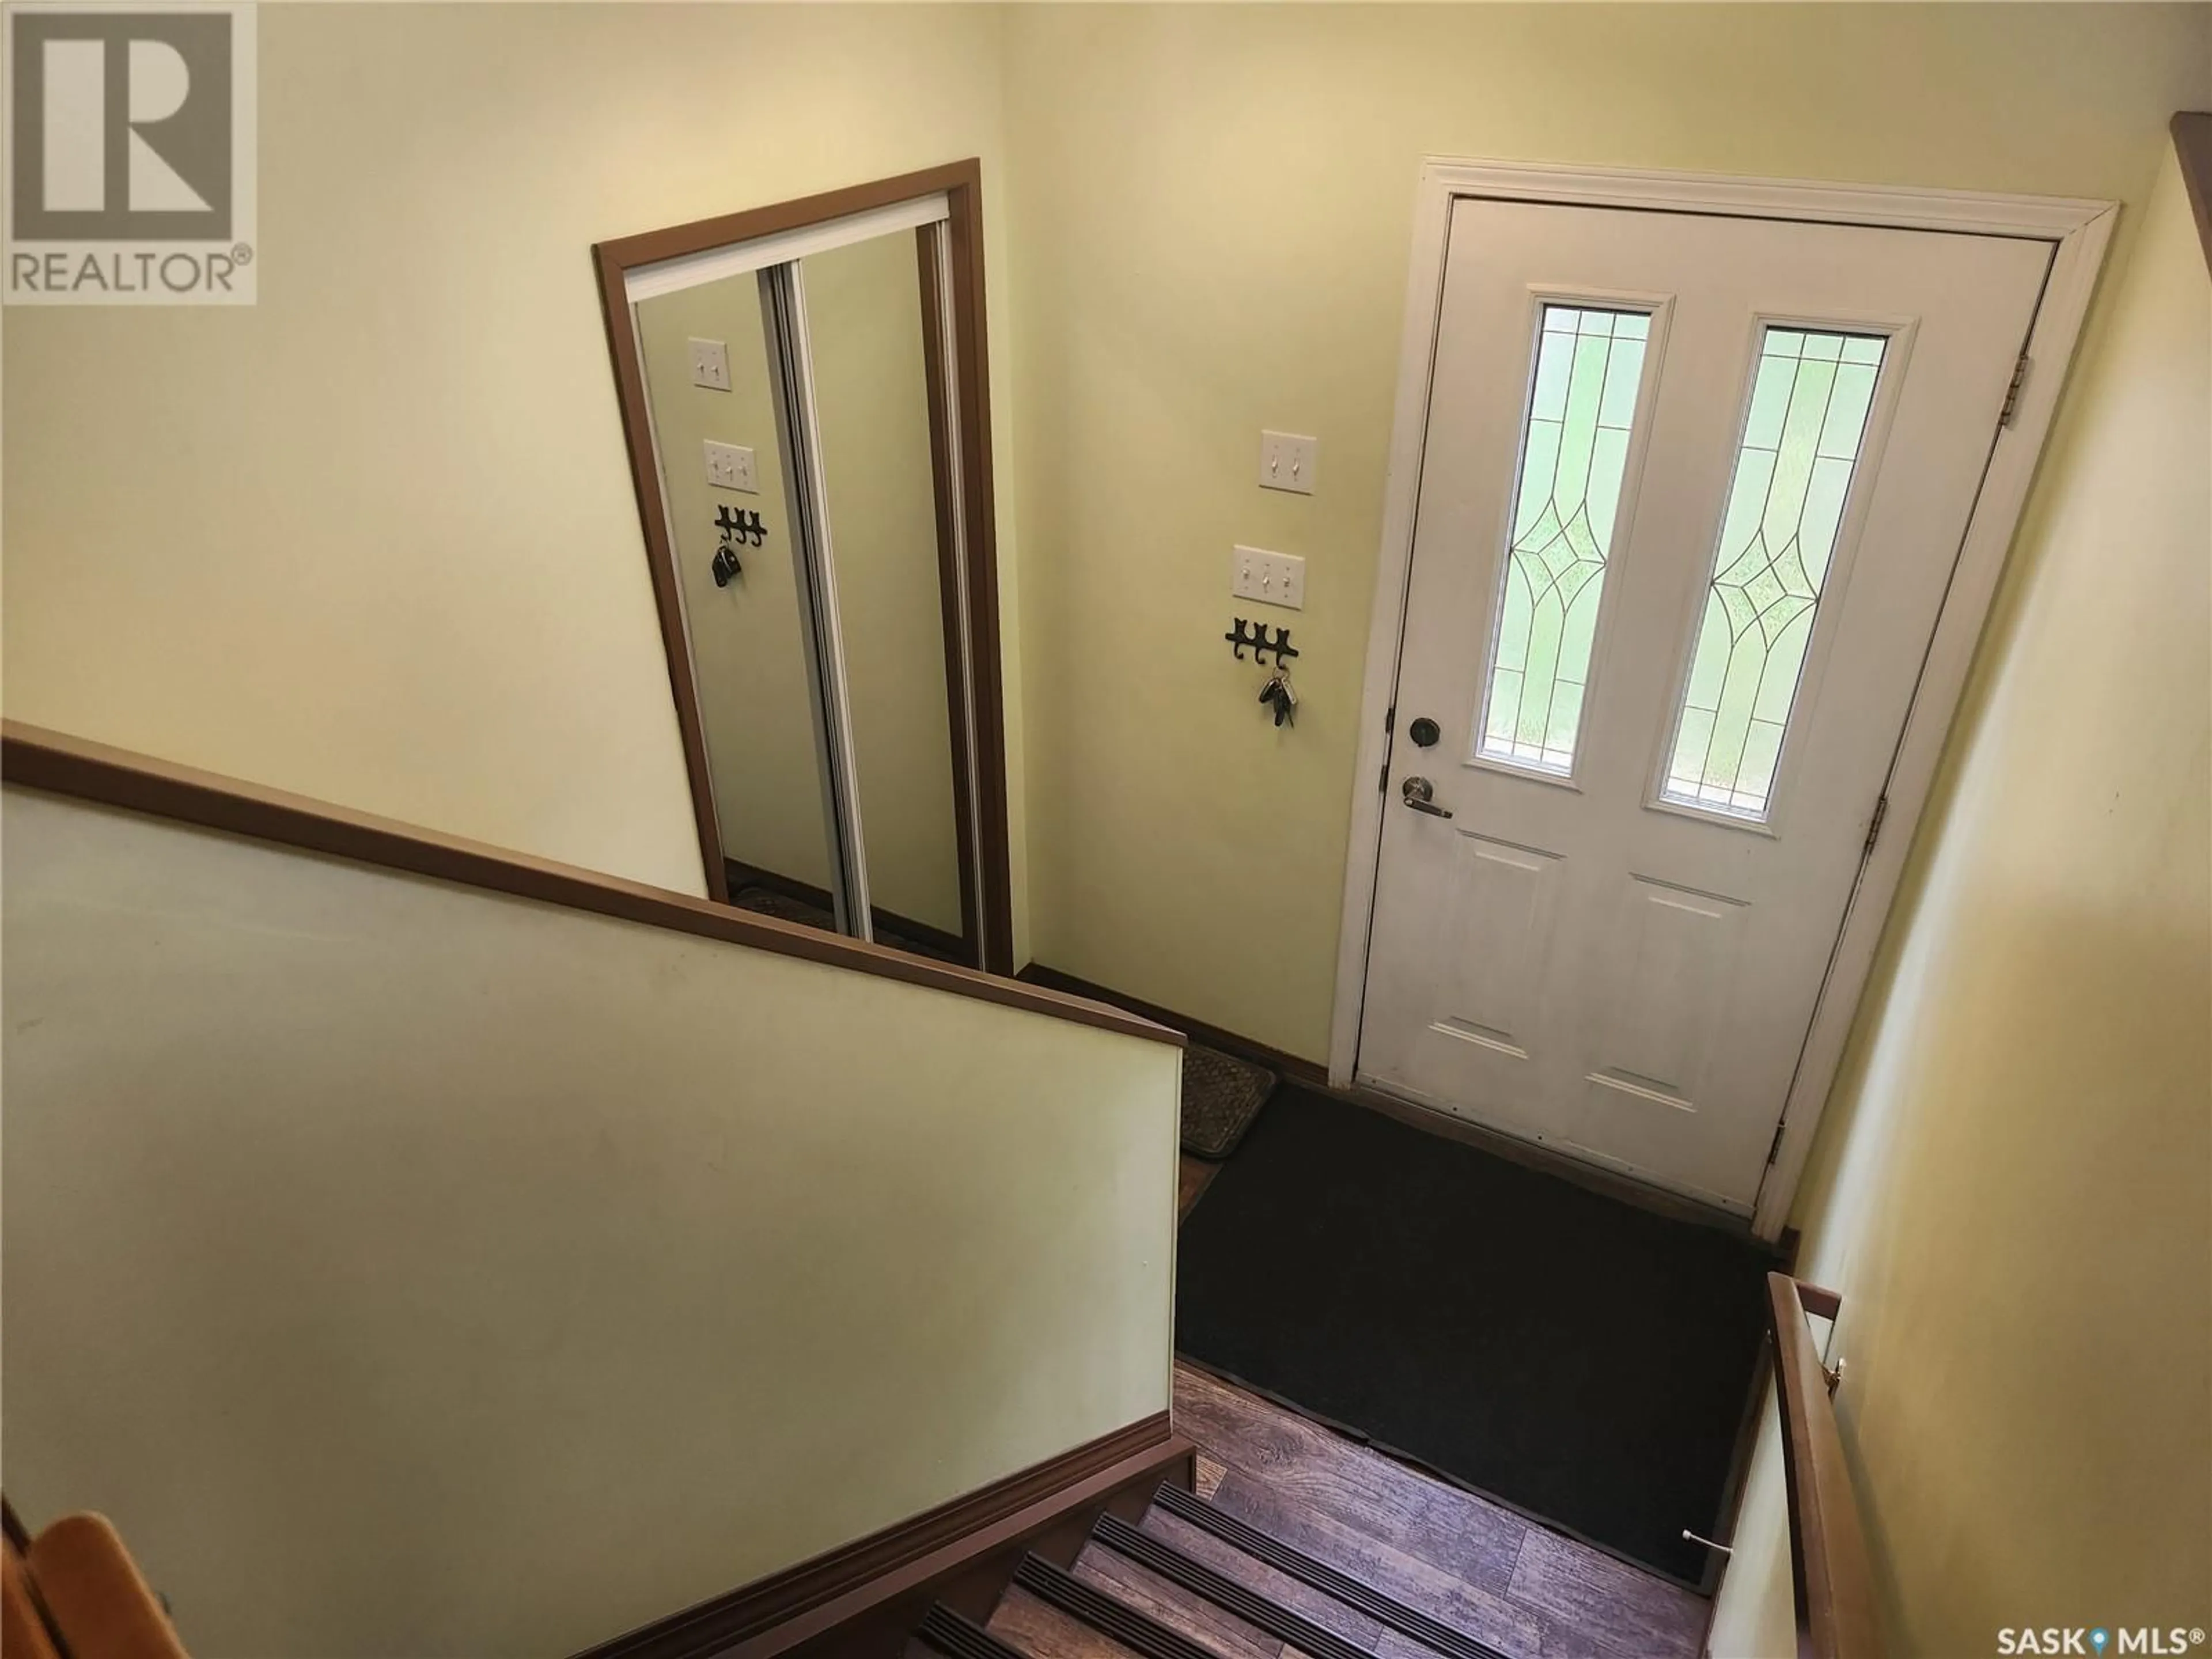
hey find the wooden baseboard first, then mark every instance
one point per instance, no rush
(864, 1597)
(1305, 1072)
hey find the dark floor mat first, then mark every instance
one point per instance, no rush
(1221, 1097)
(1583, 1360)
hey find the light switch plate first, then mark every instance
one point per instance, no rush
(1287, 461)
(1270, 578)
(730, 466)
(710, 365)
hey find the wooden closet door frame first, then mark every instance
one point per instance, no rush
(950, 257)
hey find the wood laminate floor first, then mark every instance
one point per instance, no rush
(1191, 1179)
(1513, 1582)
(1476, 1566)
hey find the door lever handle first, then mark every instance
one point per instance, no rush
(1420, 794)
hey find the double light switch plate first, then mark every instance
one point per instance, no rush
(1287, 462)
(710, 364)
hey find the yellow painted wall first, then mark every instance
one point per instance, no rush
(2013, 1186)
(412, 1270)
(374, 539)
(1214, 208)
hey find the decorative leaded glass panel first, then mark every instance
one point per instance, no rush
(1574, 449)
(1809, 400)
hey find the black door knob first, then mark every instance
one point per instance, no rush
(1423, 732)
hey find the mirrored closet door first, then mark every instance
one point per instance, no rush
(803, 391)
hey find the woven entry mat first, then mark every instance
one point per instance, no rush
(1221, 1097)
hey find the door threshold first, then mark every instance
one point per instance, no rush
(1546, 1160)
(1305, 1074)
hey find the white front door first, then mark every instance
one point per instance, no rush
(1690, 492)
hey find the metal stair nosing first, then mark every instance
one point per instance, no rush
(1163, 1558)
(1430, 1632)
(957, 1638)
(1139, 1633)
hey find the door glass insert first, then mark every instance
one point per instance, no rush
(1574, 454)
(1802, 436)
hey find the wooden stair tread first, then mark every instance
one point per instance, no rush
(1485, 1615)
(1131, 1627)
(1178, 1609)
(1385, 1611)
(1298, 1462)
(1300, 1597)
(1041, 1631)
(1286, 1625)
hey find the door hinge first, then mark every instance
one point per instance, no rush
(2011, 410)
(1873, 827)
(1383, 778)
(1774, 1147)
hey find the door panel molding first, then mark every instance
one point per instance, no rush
(2078, 232)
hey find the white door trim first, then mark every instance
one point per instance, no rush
(2079, 230)
(674, 276)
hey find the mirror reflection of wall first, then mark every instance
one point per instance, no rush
(845, 747)
(864, 321)
(748, 638)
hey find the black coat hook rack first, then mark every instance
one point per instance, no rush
(1260, 643)
(739, 527)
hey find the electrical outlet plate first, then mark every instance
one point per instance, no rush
(710, 364)
(730, 466)
(1270, 578)
(1287, 462)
